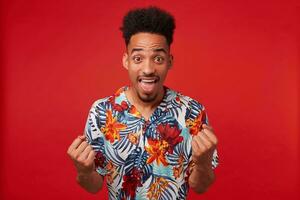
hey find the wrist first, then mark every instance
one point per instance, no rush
(83, 176)
(84, 173)
(202, 166)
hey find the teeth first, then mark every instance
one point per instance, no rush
(148, 81)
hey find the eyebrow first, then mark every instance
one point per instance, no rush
(136, 49)
(155, 50)
(160, 50)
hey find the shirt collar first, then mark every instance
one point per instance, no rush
(164, 104)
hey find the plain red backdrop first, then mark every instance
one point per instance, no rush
(239, 58)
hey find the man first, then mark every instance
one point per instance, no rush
(149, 141)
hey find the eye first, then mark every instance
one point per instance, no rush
(159, 59)
(137, 59)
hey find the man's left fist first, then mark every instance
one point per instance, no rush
(203, 146)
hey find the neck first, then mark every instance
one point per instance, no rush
(146, 108)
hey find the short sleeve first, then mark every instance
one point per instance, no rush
(196, 116)
(95, 138)
(215, 158)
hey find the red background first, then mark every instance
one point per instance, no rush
(239, 58)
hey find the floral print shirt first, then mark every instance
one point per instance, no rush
(145, 159)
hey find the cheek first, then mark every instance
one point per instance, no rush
(163, 73)
(132, 74)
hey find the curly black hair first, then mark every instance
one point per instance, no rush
(148, 20)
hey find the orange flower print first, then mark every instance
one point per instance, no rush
(112, 172)
(135, 112)
(195, 125)
(180, 159)
(155, 190)
(133, 138)
(112, 127)
(119, 91)
(178, 170)
(157, 150)
(189, 171)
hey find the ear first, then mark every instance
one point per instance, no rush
(125, 60)
(170, 64)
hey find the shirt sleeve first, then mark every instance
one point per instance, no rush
(96, 138)
(215, 158)
(198, 112)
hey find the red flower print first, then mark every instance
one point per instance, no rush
(120, 108)
(131, 182)
(99, 159)
(170, 135)
(178, 99)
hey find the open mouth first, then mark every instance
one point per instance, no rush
(148, 83)
(148, 79)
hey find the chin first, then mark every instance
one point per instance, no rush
(147, 97)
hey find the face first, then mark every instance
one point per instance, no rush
(147, 60)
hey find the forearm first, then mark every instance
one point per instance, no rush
(90, 182)
(201, 178)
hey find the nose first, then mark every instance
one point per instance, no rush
(148, 68)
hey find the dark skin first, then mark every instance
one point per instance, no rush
(148, 60)
(203, 147)
(83, 157)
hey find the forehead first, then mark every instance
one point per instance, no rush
(148, 42)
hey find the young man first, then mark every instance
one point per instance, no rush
(149, 141)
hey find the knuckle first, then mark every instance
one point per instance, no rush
(216, 141)
(197, 137)
(93, 152)
(72, 154)
(80, 160)
(205, 149)
(198, 153)
(89, 147)
(87, 164)
(210, 146)
(76, 156)
(194, 141)
(69, 151)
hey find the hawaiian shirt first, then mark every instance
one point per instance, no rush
(145, 159)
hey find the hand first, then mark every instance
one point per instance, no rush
(82, 155)
(203, 146)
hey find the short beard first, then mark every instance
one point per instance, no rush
(148, 98)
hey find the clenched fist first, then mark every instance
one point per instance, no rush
(82, 155)
(203, 146)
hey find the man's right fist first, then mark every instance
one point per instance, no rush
(82, 155)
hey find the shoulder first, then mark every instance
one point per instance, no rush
(186, 101)
(106, 102)
(192, 109)
(100, 102)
